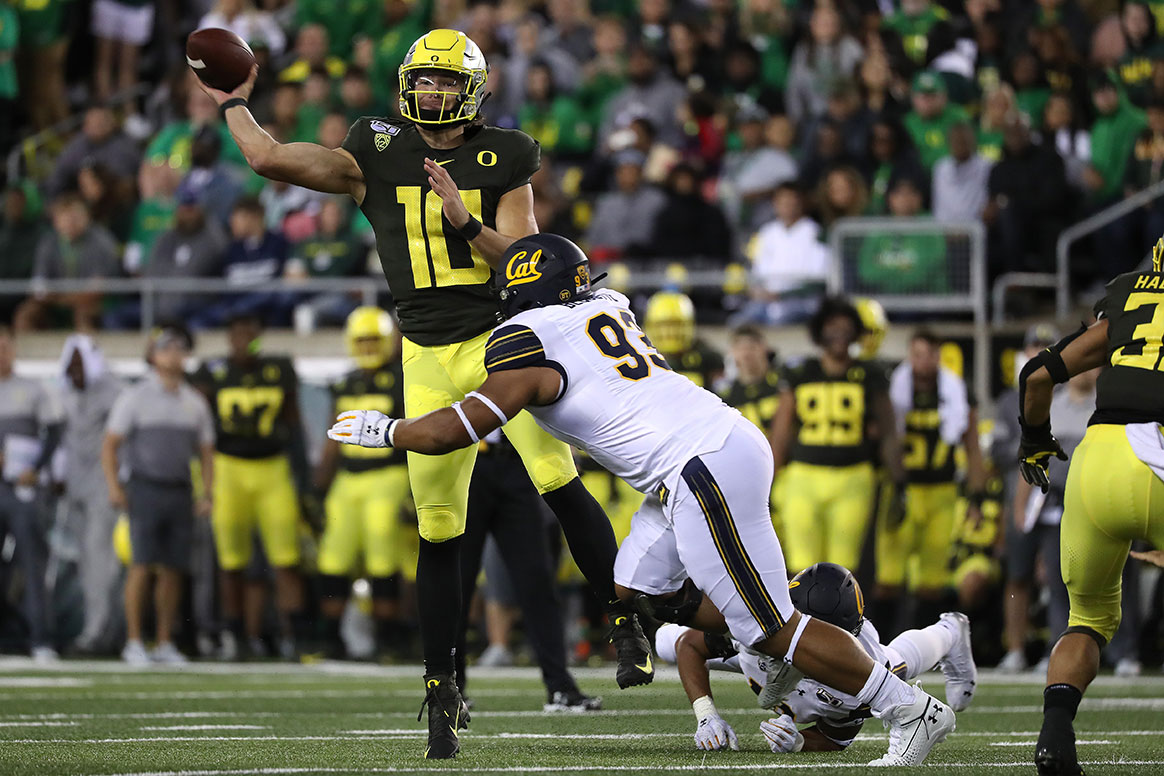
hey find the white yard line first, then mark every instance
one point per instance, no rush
(1032, 743)
(205, 727)
(38, 723)
(602, 768)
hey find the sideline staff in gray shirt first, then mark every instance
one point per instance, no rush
(29, 417)
(161, 424)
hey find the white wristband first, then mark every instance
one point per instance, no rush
(704, 707)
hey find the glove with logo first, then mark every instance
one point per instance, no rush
(714, 733)
(782, 734)
(1036, 448)
(366, 428)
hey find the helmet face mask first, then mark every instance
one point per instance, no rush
(442, 80)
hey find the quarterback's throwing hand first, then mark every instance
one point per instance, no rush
(715, 733)
(782, 734)
(366, 428)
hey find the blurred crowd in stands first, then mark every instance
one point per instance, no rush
(721, 133)
(729, 134)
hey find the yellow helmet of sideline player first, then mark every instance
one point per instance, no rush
(876, 325)
(446, 51)
(670, 322)
(370, 335)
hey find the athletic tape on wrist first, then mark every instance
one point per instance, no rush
(796, 634)
(704, 707)
(489, 403)
(468, 426)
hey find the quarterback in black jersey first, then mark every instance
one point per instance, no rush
(439, 242)
(1114, 493)
(258, 446)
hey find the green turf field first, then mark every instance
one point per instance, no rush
(100, 718)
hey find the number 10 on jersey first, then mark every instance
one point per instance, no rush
(424, 226)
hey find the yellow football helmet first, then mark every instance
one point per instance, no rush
(670, 322)
(876, 325)
(366, 323)
(448, 51)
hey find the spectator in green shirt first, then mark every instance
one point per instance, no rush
(997, 106)
(153, 215)
(311, 47)
(1113, 135)
(401, 23)
(334, 251)
(556, 121)
(929, 122)
(21, 229)
(913, 22)
(356, 96)
(904, 263)
(605, 74)
(1031, 91)
(344, 20)
(170, 148)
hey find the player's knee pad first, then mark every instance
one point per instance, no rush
(384, 588)
(334, 586)
(552, 471)
(678, 607)
(438, 524)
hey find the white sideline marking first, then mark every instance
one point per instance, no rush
(1032, 743)
(43, 681)
(206, 727)
(147, 715)
(588, 768)
(39, 723)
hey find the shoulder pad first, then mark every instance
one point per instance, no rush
(513, 347)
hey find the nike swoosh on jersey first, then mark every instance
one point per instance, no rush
(446, 161)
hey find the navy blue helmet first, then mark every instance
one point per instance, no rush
(541, 270)
(829, 592)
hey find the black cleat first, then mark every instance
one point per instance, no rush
(571, 700)
(633, 650)
(446, 714)
(1055, 752)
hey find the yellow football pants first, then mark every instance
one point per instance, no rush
(363, 521)
(825, 511)
(918, 547)
(249, 491)
(1111, 499)
(435, 377)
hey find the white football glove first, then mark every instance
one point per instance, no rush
(714, 733)
(782, 680)
(366, 428)
(782, 734)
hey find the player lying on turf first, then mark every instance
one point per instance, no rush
(578, 361)
(828, 592)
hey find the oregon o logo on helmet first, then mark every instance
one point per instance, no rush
(482, 156)
(522, 270)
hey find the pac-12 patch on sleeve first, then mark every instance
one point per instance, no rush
(513, 347)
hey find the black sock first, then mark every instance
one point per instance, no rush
(1060, 702)
(301, 626)
(438, 602)
(588, 532)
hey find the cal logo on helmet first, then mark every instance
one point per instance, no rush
(523, 268)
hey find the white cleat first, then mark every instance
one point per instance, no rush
(1013, 662)
(958, 664)
(914, 729)
(135, 653)
(44, 656)
(167, 654)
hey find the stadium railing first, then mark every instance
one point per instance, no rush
(1060, 279)
(897, 262)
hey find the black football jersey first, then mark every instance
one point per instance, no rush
(928, 458)
(439, 281)
(701, 364)
(1132, 389)
(756, 401)
(248, 403)
(378, 389)
(833, 413)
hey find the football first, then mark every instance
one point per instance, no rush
(221, 59)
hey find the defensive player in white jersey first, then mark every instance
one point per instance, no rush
(578, 361)
(828, 592)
